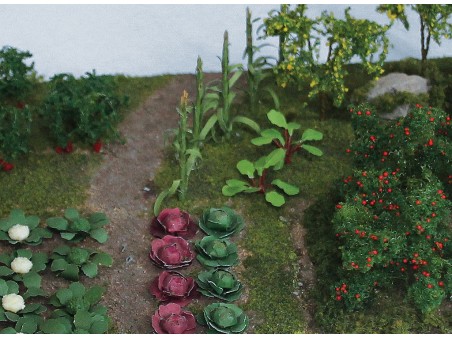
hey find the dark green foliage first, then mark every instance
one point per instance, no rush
(15, 129)
(15, 74)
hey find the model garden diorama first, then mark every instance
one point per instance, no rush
(282, 201)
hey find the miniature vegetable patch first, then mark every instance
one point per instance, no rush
(172, 319)
(174, 287)
(75, 228)
(23, 266)
(77, 311)
(286, 141)
(258, 184)
(224, 318)
(18, 228)
(219, 283)
(68, 261)
(171, 252)
(214, 252)
(16, 309)
(173, 221)
(221, 222)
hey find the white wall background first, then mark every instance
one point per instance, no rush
(155, 39)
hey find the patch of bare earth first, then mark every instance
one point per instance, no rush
(117, 190)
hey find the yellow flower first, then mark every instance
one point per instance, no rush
(313, 83)
(289, 67)
(285, 29)
(283, 85)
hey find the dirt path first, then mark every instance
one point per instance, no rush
(117, 190)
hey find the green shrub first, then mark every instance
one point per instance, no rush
(391, 223)
(14, 74)
(15, 129)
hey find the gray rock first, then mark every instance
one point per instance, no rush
(398, 82)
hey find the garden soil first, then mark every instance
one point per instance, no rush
(118, 189)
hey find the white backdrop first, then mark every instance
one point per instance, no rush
(155, 39)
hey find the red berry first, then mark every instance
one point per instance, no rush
(357, 296)
(440, 283)
(430, 142)
(59, 149)
(69, 147)
(368, 113)
(338, 206)
(429, 286)
(97, 146)
(7, 166)
(338, 298)
(418, 202)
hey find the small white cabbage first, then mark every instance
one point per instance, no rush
(13, 303)
(21, 265)
(19, 232)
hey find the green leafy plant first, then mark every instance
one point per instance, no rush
(257, 175)
(302, 43)
(15, 74)
(214, 252)
(85, 109)
(68, 261)
(219, 283)
(24, 266)
(255, 66)
(221, 222)
(74, 227)
(18, 228)
(392, 223)
(224, 318)
(15, 129)
(16, 311)
(78, 311)
(286, 140)
(223, 96)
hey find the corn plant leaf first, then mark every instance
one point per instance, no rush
(236, 76)
(208, 126)
(287, 188)
(311, 134)
(57, 223)
(313, 150)
(275, 198)
(164, 194)
(194, 154)
(248, 122)
(246, 167)
(277, 118)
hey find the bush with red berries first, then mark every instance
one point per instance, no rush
(393, 221)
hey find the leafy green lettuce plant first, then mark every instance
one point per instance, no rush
(286, 140)
(219, 283)
(257, 175)
(214, 252)
(18, 228)
(221, 222)
(23, 266)
(77, 311)
(74, 227)
(224, 318)
(68, 261)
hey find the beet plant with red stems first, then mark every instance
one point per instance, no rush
(392, 219)
(257, 175)
(286, 140)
